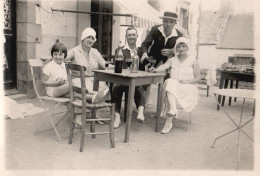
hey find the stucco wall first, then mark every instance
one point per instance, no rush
(208, 55)
(56, 25)
(38, 28)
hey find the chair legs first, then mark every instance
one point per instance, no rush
(92, 126)
(50, 115)
(72, 124)
(83, 125)
(207, 91)
(111, 126)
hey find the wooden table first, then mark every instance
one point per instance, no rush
(131, 80)
(232, 75)
(238, 93)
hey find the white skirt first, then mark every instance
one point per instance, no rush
(186, 94)
(89, 83)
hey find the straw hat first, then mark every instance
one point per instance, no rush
(169, 15)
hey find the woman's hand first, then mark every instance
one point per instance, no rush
(60, 81)
(185, 81)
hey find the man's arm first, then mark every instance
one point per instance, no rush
(148, 41)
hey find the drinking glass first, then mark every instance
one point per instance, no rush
(109, 61)
(152, 61)
(128, 62)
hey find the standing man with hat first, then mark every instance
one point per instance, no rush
(161, 39)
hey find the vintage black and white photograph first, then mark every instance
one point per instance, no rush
(129, 87)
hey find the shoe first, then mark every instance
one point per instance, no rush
(106, 93)
(97, 117)
(117, 120)
(168, 126)
(171, 113)
(78, 123)
(100, 122)
(162, 114)
(140, 116)
(97, 97)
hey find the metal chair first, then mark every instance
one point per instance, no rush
(36, 78)
(76, 103)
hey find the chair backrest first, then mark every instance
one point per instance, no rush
(37, 64)
(82, 90)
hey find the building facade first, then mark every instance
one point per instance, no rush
(35, 26)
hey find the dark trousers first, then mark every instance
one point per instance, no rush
(117, 94)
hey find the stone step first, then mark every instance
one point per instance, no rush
(18, 97)
(11, 92)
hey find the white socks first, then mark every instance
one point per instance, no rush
(168, 126)
(117, 120)
(140, 116)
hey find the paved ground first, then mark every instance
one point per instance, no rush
(147, 151)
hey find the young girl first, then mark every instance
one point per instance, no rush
(55, 76)
(181, 86)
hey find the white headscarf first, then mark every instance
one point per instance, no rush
(182, 40)
(88, 32)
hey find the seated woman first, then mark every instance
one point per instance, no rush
(55, 76)
(85, 55)
(181, 86)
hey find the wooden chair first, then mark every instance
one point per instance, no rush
(75, 103)
(36, 78)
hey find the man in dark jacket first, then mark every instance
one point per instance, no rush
(118, 90)
(161, 39)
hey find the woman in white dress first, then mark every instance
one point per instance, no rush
(181, 86)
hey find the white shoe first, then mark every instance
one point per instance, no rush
(98, 117)
(171, 113)
(78, 121)
(106, 94)
(97, 97)
(117, 120)
(140, 116)
(162, 114)
(100, 122)
(168, 126)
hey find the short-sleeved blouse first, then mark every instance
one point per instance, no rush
(93, 62)
(55, 71)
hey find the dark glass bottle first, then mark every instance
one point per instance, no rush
(119, 61)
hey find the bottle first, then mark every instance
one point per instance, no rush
(119, 61)
(135, 64)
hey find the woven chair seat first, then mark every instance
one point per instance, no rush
(61, 100)
(78, 103)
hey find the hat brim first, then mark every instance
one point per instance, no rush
(172, 18)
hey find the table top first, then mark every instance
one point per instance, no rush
(237, 72)
(238, 93)
(125, 73)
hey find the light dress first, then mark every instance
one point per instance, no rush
(186, 94)
(54, 71)
(93, 62)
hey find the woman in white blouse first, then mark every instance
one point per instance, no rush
(85, 55)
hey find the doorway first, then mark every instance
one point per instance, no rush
(102, 24)
(10, 71)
